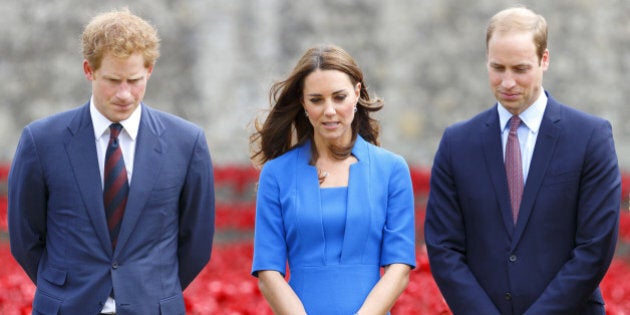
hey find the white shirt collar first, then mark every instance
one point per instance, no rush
(101, 123)
(531, 117)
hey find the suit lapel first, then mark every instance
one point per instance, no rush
(543, 151)
(148, 162)
(493, 152)
(81, 149)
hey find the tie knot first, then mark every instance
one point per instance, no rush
(114, 130)
(515, 121)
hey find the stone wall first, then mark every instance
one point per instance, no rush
(425, 58)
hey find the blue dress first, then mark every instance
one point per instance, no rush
(335, 240)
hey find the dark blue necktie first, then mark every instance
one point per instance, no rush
(116, 186)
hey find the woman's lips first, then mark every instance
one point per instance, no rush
(330, 124)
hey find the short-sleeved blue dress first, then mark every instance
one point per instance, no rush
(335, 240)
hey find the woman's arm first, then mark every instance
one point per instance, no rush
(384, 294)
(279, 294)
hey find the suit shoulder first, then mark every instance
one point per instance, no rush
(54, 124)
(55, 119)
(472, 125)
(574, 119)
(578, 115)
(170, 121)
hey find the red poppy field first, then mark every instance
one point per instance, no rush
(225, 286)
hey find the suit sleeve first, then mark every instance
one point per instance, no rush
(446, 241)
(599, 202)
(27, 206)
(196, 223)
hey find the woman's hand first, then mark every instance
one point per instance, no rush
(280, 296)
(384, 294)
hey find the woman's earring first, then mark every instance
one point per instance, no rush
(305, 114)
(355, 108)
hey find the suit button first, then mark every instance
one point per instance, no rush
(512, 258)
(508, 296)
(115, 265)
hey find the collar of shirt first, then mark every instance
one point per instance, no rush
(531, 117)
(101, 123)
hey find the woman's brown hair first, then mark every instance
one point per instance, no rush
(287, 126)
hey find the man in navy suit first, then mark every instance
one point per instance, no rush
(127, 245)
(523, 211)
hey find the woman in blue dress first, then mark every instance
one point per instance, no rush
(331, 203)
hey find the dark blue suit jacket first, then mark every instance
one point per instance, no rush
(552, 261)
(57, 224)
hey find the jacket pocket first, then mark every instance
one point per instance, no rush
(55, 276)
(173, 305)
(45, 304)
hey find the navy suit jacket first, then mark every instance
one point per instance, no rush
(552, 260)
(57, 226)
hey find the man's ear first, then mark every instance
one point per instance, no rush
(88, 71)
(544, 62)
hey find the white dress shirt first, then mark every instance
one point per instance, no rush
(527, 132)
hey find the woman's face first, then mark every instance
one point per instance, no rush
(329, 98)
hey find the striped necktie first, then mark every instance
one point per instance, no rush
(116, 185)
